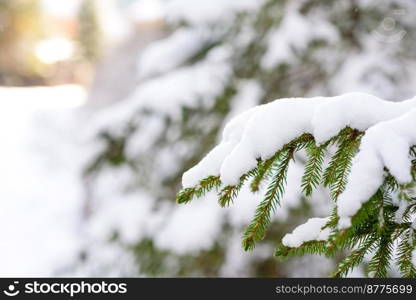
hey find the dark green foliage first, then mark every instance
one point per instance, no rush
(263, 169)
(374, 230)
(311, 247)
(313, 168)
(279, 166)
(205, 185)
(335, 176)
(257, 228)
(229, 193)
(355, 257)
(405, 248)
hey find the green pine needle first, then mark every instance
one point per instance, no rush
(313, 168)
(257, 228)
(205, 185)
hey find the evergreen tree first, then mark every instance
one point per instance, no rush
(208, 70)
(384, 220)
(89, 35)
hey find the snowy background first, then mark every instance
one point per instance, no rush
(118, 99)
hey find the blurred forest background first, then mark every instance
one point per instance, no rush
(105, 103)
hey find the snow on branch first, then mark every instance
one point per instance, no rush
(309, 231)
(385, 145)
(262, 130)
(371, 175)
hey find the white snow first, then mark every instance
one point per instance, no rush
(357, 110)
(146, 11)
(41, 194)
(203, 12)
(283, 44)
(262, 130)
(170, 92)
(386, 144)
(309, 231)
(127, 216)
(189, 227)
(167, 94)
(248, 95)
(144, 139)
(164, 55)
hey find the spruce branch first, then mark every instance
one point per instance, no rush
(309, 247)
(205, 185)
(404, 254)
(313, 167)
(379, 264)
(230, 192)
(263, 169)
(374, 228)
(256, 230)
(335, 175)
(355, 258)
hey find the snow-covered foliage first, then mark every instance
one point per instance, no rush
(260, 143)
(310, 231)
(385, 145)
(223, 58)
(260, 131)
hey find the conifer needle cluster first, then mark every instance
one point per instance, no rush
(375, 230)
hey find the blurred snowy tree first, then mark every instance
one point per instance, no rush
(89, 35)
(221, 58)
